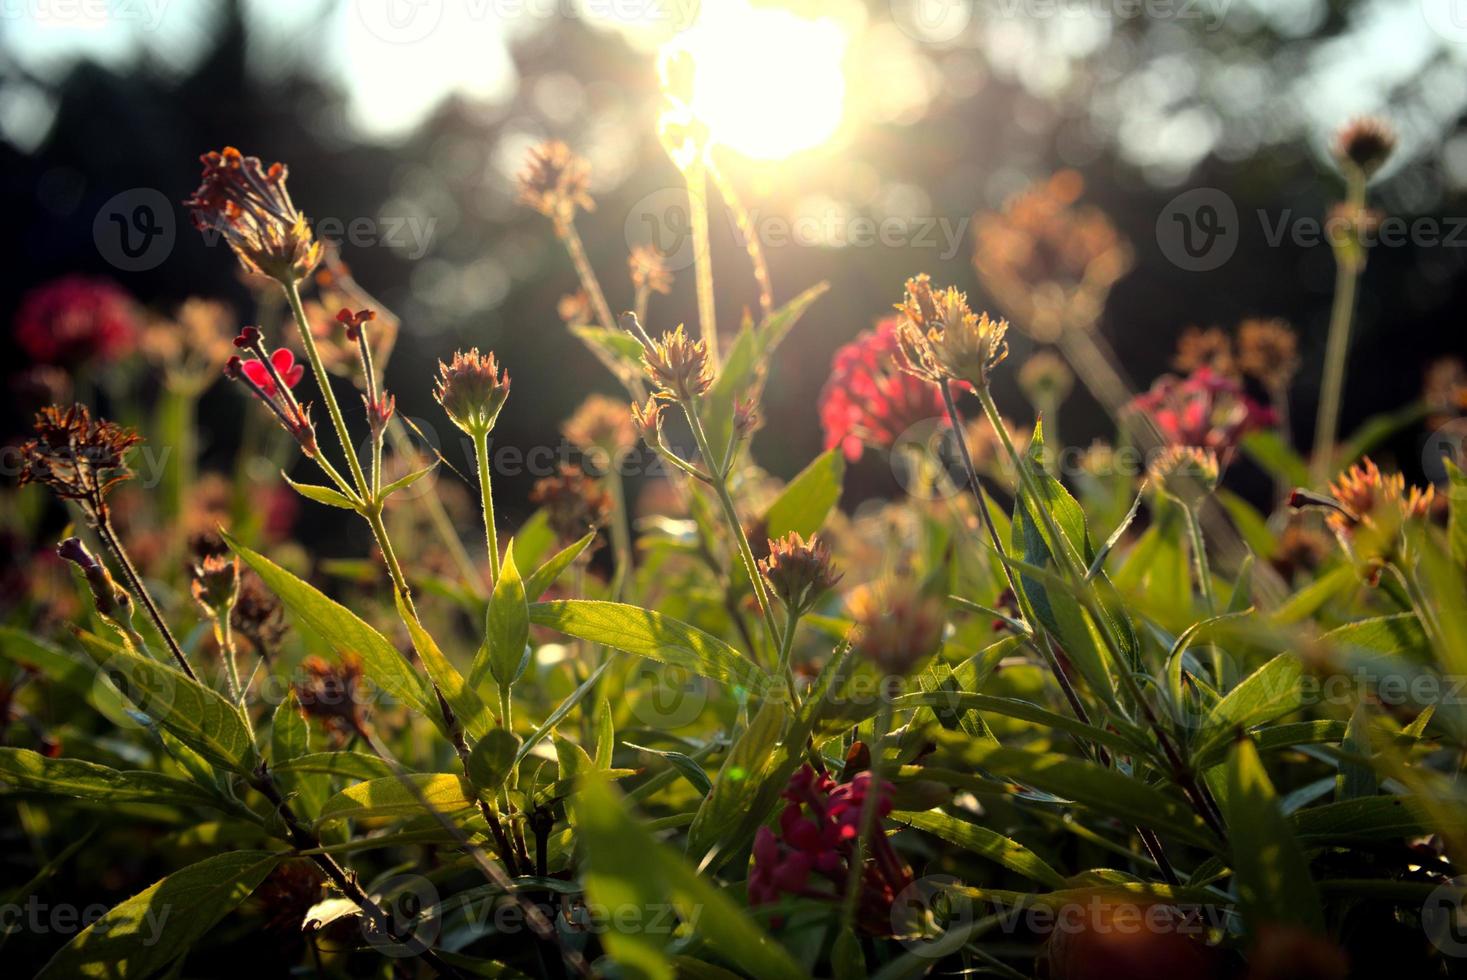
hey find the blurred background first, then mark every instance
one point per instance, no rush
(862, 137)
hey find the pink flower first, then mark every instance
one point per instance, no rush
(290, 372)
(868, 400)
(76, 319)
(1206, 409)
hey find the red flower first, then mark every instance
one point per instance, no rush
(1206, 409)
(75, 319)
(290, 372)
(868, 400)
(810, 854)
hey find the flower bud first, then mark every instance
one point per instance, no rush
(472, 389)
(1185, 473)
(799, 572)
(1365, 144)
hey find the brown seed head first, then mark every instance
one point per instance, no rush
(1269, 351)
(1365, 144)
(330, 693)
(942, 339)
(649, 270)
(799, 572)
(602, 423)
(1209, 347)
(77, 457)
(899, 626)
(678, 364)
(248, 204)
(215, 585)
(553, 181)
(1186, 473)
(574, 502)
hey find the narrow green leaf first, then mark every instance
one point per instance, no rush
(545, 576)
(626, 868)
(395, 796)
(404, 482)
(467, 707)
(321, 495)
(508, 629)
(733, 810)
(806, 501)
(25, 769)
(990, 844)
(644, 633)
(684, 764)
(1271, 691)
(492, 759)
(200, 717)
(346, 632)
(146, 933)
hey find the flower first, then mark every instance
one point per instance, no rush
(1205, 348)
(1364, 144)
(283, 361)
(798, 571)
(249, 205)
(258, 616)
(649, 270)
(866, 401)
(331, 694)
(78, 458)
(1049, 261)
(193, 344)
(1186, 473)
(75, 319)
(574, 502)
(1046, 379)
(1444, 390)
(602, 423)
(942, 339)
(215, 585)
(1369, 512)
(1268, 351)
(1205, 409)
(553, 181)
(472, 389)
(809, 855)
(899, 627)
(678, 364)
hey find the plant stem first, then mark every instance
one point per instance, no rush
(621, 534)
(1199, 559)
(113, 543)
(697, 179)
(486, 499)
(786, 647)
(1337, 347)
(323, 381)
(868, 813)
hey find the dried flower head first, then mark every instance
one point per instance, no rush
(868, 401)
(649, 270)
(678, 364)
(259, 616)
(899, 626)
(574, 502)
(1444, 390)
(78, 458)
(553, 181)
(74, 320)
(1050, 262)
(1046, 379)
(1186, 473)
(1209, 347)
(575, 308)
(799, 572)
(1268, 350)
(1205, 409)
(193, 344)
(942, 339)
(1365, 144)
(602, 423)
(332, 694)
(215, 585)
(472, 389)
(249, 205)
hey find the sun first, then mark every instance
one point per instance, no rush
(767, 82)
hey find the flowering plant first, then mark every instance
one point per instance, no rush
(765, 737)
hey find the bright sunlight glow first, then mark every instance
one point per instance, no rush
(767, 82)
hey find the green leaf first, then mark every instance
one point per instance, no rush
(407, 481)
(644, 633)
(626, 868)
(990, 844)
(1272, 874)
(1268, 450)
(200, 717)
(492, 759)
(1102, 790)
(1457, 515)
(545, 576)
(349, 765)
(1368, 820)
(25, 769)
(346, 632)
(146, 933)
(1398, 634)
(803, 505)
(732, 812)
(1024, 711)
(684, 764)
(463, 699)
(564, 708)
(321, 495)
(507, 631)
(1271, 691)
(408, 795)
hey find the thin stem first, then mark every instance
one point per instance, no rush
(868, 813)
(750, 235)
(224, 634)
(114, 544)
(1199, 559)
(697, 178)
(621, 533)
(731, 514)
(323, 381)
(786, 647)
(486, 499)
(1337, 347)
